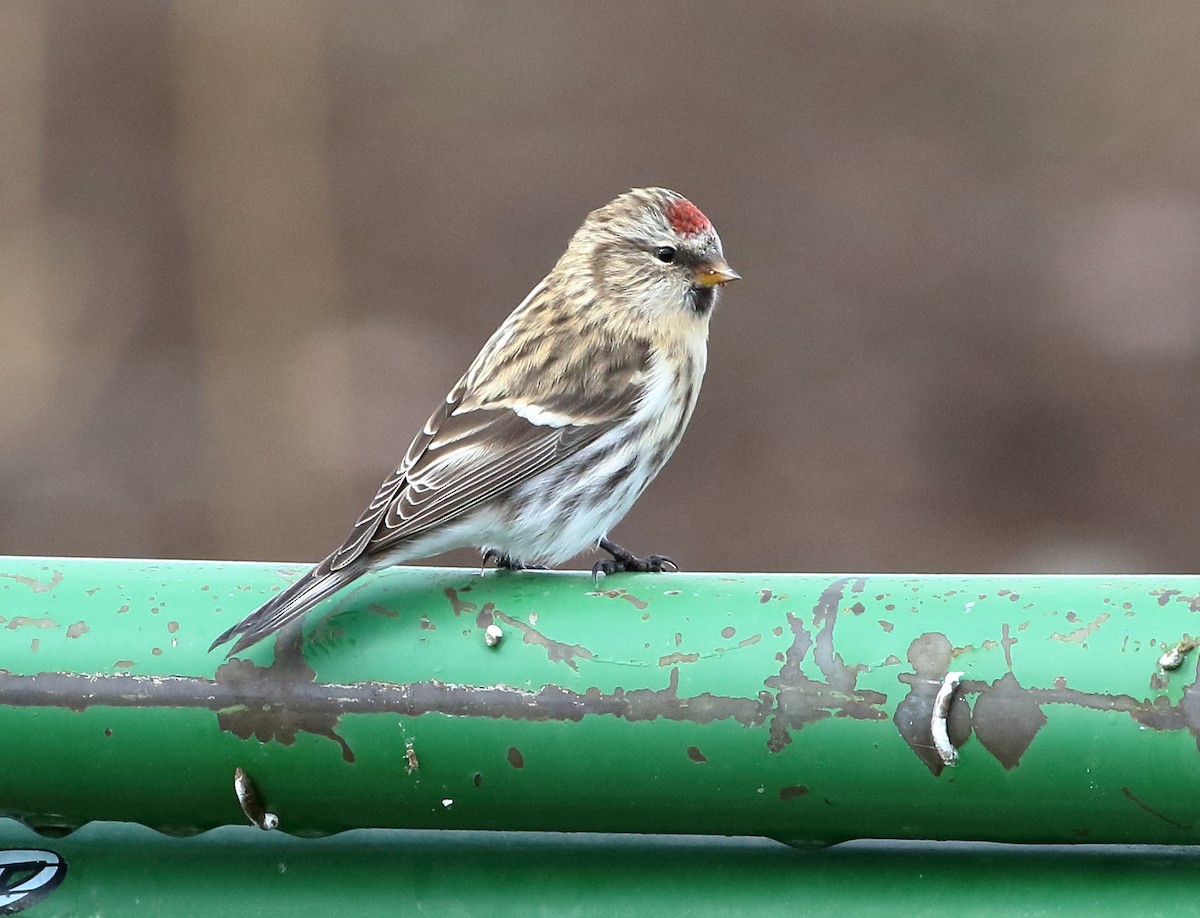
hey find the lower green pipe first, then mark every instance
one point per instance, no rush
(799, 707)
(127, 871)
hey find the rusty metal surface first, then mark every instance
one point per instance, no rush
(800, 707)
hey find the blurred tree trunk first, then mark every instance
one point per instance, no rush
(252, 109)
(27, 365)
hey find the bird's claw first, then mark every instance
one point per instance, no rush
(653, 564)
(506, 562)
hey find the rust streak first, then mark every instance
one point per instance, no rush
(1007, 641)
(1151, 810)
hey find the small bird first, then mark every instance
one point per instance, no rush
(572, 407)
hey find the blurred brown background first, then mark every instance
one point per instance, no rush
(246, 247)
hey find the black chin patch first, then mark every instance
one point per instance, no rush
(702, 299)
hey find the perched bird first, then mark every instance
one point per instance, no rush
(568, 412)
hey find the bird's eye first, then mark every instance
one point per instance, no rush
(665, 253)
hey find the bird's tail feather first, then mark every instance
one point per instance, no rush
(288, 605)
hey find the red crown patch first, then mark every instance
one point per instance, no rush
(685, 217)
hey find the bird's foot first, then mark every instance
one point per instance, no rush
(506, 562)
(624, 560)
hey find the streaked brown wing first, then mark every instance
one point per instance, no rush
(464, 457)
(371, 517)
(482, 454)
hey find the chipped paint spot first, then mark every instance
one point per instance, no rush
(34, 645)
(886, 626)
(892, 660)
(750, 641)
(278, 715)
(1006, 718)
(426, 624)
(123, 609)
(1079, 635)
(696, 755)
(728, 632)
(376, 608)
(777, 631)
(672, 592)
(485, 616)
(456, 604)
(764, 596)
(556, 651)
(622, 594)
(515, 759)
(792, 791)
(156, 651)
(24, 621)
(37, 585)
(172, 627)
(1007, 640)
(75, 629)
(123, 664)
(800, 700)
(672, 658)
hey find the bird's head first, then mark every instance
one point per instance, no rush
(655, 253)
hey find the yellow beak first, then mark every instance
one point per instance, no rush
(714, 272)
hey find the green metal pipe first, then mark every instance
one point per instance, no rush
(122, 870)
(798, 707)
